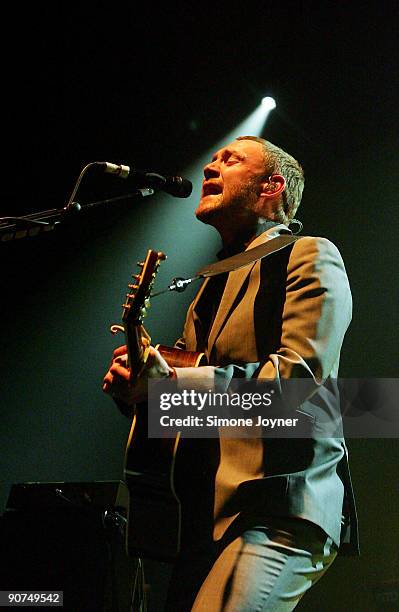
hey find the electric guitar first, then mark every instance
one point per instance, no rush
(153, 521)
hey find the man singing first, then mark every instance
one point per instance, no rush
(262, 519)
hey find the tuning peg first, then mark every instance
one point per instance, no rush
(133, 286)
(141, 264)
(126, 306)
(136, 276)
(161, 256)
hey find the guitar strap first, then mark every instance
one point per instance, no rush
(233, 263)
(246, 257)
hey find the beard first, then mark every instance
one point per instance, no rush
(235, 206)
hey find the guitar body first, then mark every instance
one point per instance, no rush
(154, 514)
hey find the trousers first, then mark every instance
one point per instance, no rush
(267, 568)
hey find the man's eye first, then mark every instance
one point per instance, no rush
(232, 160)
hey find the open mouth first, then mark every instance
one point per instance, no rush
(211, 189)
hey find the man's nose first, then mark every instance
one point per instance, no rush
(211, 170)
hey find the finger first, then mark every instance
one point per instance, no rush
(108, 377)
(107, 382)
(121, 350)
(121, 360)
(119, 371)
(151, 357)
(116, 374)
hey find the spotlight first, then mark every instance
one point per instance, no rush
(269, 103)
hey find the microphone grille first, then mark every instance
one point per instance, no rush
(182, 187)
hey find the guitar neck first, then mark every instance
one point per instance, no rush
(135, 348)
(134, 309)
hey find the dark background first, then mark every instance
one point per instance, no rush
(155, 87)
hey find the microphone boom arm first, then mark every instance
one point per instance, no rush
(12, 228)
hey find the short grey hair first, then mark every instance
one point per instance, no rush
(278, 161)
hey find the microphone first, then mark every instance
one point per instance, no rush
(174, 185)
(118, 169)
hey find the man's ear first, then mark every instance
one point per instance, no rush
(274, 186)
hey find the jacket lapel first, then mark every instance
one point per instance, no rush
(193, 332)
(234, 283)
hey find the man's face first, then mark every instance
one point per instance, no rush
(232, 182)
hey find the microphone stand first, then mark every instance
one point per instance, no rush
(12, 228)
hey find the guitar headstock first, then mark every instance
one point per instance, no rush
(138, 298)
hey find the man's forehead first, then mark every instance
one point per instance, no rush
(241, 146)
